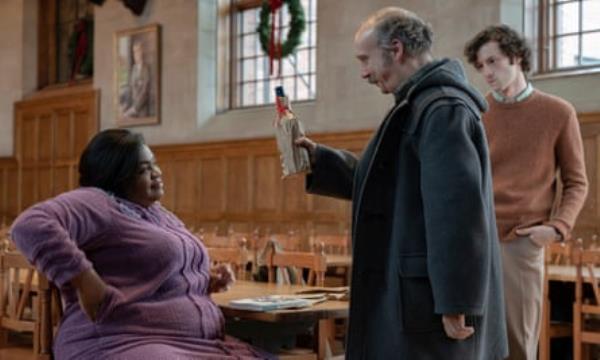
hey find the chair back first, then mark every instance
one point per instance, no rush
(26, 301)
(291, 264)
(214, 240)
(585, 309)
(587, 264)
(555, 254)
(558, 253)
(338, 243)
(237, 257)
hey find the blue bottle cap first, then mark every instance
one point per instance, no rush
(279, 91)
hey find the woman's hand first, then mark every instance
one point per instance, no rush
(221, 278)
(91, 291)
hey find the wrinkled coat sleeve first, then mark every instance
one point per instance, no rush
(332, 173)
(51, 234)
(457, 233)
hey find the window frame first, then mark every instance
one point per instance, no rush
(235, 84)
(546, 45)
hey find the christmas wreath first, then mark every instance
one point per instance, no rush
(266, 28)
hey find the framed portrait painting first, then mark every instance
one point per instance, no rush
(137, 76)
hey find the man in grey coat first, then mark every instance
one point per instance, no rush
(426, 276)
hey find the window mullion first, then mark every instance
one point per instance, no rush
(579, 35)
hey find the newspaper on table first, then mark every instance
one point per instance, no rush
(277, 302)
(294, 159)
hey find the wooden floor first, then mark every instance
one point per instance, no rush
(19, 348)
(16, 353)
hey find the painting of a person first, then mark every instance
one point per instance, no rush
(136, 101)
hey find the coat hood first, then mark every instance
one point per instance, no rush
(436, 74)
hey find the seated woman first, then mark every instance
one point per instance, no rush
(135, 282)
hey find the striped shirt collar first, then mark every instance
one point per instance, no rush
(509, 100)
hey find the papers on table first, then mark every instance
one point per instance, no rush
(270, 302)
(331, 293)
(302, 298)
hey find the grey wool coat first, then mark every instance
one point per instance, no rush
(424, 232)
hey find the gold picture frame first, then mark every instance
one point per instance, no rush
(137, 76)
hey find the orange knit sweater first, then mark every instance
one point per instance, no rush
(529, 142)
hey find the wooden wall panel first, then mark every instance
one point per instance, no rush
(28, 188)
(8, 190)
(235, 183)
(588, 223)
(45, 140)
(83, 128)
(186, 189)
(62, 130)
(239, 184)
(590, 207)
(28, 130)
(211, 201)
(45, 184)
(267, 182)
(62, 180)
(51, 129)
(294, 201)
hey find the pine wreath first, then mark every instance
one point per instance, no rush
(297, 26)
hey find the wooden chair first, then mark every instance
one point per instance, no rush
(23, 288)
(296, 262)
(237, 257)
(338, 243)
(5, 242)
(554, 254)
(586, 312)
(261, 241)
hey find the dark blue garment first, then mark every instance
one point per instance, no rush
(424, 232)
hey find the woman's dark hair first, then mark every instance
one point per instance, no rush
(511, 43)
(110, 161)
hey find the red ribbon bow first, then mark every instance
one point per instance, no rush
(275, 47)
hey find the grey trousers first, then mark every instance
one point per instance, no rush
(523, 270)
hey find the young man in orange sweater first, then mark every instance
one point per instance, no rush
(531, 136)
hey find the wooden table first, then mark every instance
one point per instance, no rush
(334, 260)
(323, 313)
(329, 309)
(568, 273)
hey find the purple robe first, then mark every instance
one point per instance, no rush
(157, 304)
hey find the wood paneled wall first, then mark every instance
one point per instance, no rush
(214, 184)
(239, 183)
(9, 190)
(588, 223)
(51, 130)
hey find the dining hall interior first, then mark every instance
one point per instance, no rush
(196, 78)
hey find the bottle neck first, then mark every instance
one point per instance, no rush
(282, 105)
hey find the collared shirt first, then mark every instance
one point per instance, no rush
(520, 96)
